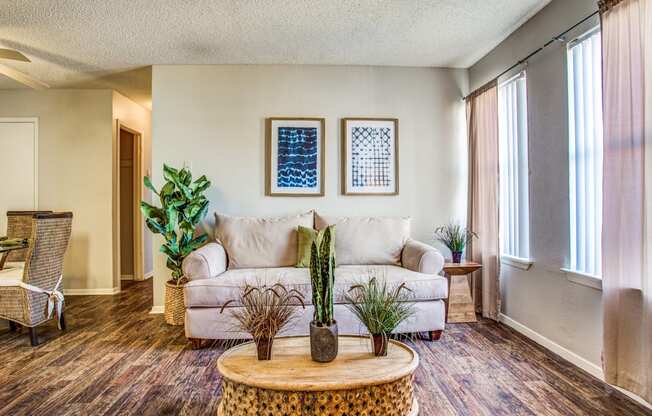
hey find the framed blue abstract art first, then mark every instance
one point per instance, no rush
(370, 156)
(294, 156)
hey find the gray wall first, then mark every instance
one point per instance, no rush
(542, 298)
(212, 117)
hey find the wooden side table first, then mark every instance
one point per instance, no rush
(460, 305)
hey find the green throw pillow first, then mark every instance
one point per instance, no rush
(306, 238)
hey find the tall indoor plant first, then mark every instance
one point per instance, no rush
(455, 237)
(323, 328)
(183, 207)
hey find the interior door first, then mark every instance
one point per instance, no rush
(18, 172)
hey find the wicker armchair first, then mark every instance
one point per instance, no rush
(30, 295)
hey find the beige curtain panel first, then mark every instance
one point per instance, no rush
(482, 127)
(627, 196)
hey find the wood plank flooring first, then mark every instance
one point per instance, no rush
(116, 359)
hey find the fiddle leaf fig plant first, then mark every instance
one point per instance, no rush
(183, 207)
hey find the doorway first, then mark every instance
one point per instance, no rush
(129, 143)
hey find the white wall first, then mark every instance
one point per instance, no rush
(212, 117)
(74, 159)
(542, 298)
(75, 144)
(137, 118)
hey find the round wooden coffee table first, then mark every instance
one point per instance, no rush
(356, 383)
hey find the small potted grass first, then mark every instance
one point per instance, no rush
(455, 237)
(265, 312)
(380, 309)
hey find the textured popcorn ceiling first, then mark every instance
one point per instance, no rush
(80, 43)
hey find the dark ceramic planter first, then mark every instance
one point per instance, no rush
(457, 256)
(380, 344)
(323, 342)
(264, 348)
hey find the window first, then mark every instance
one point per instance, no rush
(513, 149)
(585, 153)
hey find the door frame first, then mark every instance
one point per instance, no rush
(138, 254)
(34, 121)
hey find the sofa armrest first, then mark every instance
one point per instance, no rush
(422, 258)
(205, 262)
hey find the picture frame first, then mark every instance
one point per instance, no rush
(370, 156)
(295, 149)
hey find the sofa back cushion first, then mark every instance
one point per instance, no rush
(367, 240)
(260, 242)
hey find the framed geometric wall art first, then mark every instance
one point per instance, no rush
(370, 156)
(294, 148)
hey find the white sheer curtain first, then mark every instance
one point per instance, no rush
(482, 122)
(627, 194)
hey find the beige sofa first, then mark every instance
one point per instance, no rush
(264, 251)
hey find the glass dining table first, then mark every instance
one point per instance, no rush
(5, 250)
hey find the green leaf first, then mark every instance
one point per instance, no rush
(167, 190)
(170, 173)
(173, 214)
(200, 185)
(148, 184)
(194, 244)
(150, 211)
(185, 177)
(154, 226)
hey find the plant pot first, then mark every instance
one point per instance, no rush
(380, 344)
(264, 348)
(457, 256)
(175, 310)
(323, 342)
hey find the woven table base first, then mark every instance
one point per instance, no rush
(391, 399)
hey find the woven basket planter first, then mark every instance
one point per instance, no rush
(175, 310)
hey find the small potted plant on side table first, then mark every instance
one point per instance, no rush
(183, 207)
(380, 310)
(323, 328)
(265, 312)
(455, 237)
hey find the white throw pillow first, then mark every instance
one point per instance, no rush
(367, 240)
(260, 242)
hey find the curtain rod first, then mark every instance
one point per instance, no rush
(559, 37)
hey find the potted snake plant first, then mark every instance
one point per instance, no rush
(183, 207)
(323, 328)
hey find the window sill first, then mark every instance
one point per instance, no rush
(583, 279)
(517, 262)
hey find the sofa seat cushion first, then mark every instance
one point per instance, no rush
(215, 292)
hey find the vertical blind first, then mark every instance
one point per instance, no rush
(513, 148)
(585, 152)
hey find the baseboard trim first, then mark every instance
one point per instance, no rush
(568, 355)
(91, 292)
(565, 353)
(148, 275)
(157, 309)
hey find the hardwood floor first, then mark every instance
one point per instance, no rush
(115, 358)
